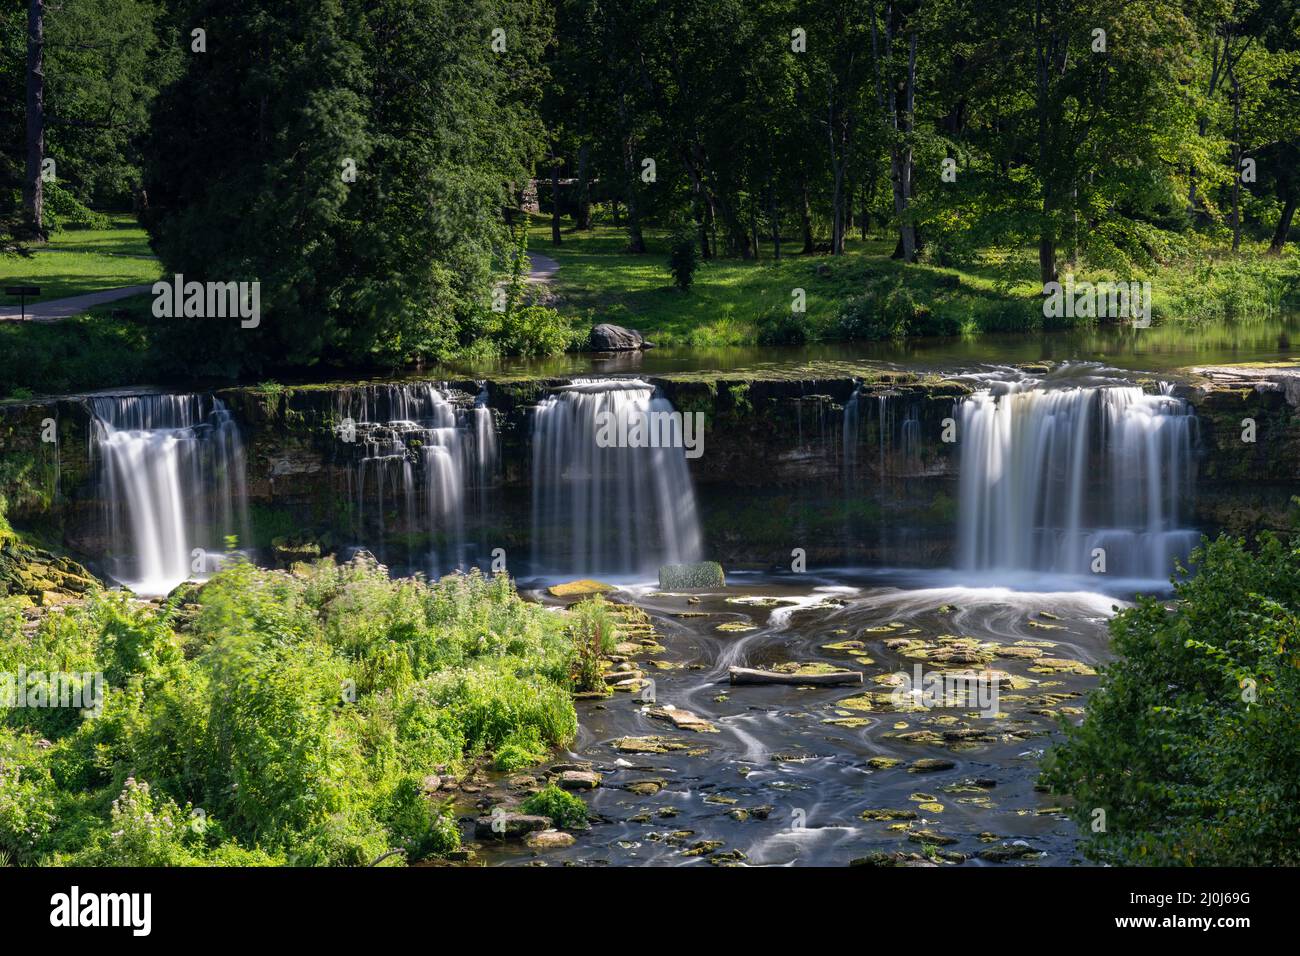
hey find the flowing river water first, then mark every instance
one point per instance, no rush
(1056, 469)
(783, 774)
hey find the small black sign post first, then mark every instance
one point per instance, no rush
(23, 291)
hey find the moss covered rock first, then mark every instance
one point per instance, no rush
(701, 574)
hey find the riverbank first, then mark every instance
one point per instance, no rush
(860, 307)
(866, 294)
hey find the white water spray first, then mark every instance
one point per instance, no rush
(423, 459)
(1051, 475)
(619, 509)
(171, 470)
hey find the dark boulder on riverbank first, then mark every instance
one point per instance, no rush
(607, 337)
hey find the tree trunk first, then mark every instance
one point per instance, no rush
(584, 189)
(1046, 252)
(899, 103)
(837, 179)
(1202, 124)
(805, 221)
(555, 200)
(908, 230)
(33, 187)
(1283, 225)
(1236, 161)
(1047, 232)
(775, 218)
(635, 241)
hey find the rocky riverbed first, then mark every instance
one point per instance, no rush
(680, 767)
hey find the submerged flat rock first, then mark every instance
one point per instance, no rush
(683, 719)
(584, 587)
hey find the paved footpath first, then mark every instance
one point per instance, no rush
(54, 309)
(541, 268)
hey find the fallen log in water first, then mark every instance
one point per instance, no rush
(748, 675)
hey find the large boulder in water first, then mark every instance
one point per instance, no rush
(607, 337)
(683, 577)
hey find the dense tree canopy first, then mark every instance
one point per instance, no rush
(360, 158)
(354, 158)
(1098, 131)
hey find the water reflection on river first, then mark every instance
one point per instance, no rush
(1170, 345)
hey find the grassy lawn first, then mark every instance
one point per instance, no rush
(77, 261)
(732, 299)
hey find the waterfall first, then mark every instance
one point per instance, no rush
(898, 440)
(607, 509)
(1050, 474)
(171, 473)
(422, 460)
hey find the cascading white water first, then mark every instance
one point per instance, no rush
(894, 436)
(607, 509)
(425, 457)
(171, 471)
(1049, 475)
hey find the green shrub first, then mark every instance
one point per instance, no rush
(488, 705)
(523, 748)
(419, 825)
(566, 811)
(783, 327)
(1189, 744)
(887, 312)
(28, 798)
(63, 210)
(595, 634)
(1012, 315)
(533, 331)
(301, 712)
(148, 830)
(684, 260)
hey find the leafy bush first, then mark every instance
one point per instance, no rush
(785, 327)
(683, 261)
(28, 798)
(523, 748)
(147, 830)
(532, 331)
(594, 634)
(1189, 744)
(63, 210)
(1013, 315)
(886, 312)
(300, 712)
(566, 811)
